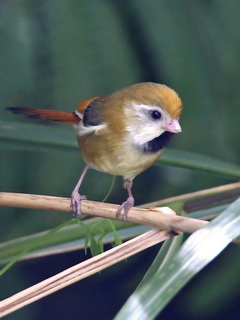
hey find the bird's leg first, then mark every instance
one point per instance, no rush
(76, 198)
(129, 203)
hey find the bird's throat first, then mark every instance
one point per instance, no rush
(157, 143)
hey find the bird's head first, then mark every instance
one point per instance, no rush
(152, 114)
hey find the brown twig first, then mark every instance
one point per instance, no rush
(82, 270)
(163, 218)
(200, 200)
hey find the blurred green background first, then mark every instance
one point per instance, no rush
(54, 54)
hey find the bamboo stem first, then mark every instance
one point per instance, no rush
(163, 218)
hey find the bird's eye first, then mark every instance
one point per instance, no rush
(155, 114)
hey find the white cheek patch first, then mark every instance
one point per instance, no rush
(140, 137)
(141, 127)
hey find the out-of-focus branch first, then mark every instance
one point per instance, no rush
(82, 270)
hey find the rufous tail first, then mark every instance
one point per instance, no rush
(53, 115)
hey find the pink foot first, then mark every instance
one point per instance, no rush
(76, 200)
(126, 206)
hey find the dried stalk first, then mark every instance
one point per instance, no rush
(163, 218)
(82, 270)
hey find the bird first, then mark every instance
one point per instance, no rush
(123, 133)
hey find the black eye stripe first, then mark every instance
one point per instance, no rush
(155, 114)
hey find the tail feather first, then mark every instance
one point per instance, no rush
(52, 115)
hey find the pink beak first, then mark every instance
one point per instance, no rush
(173, 126)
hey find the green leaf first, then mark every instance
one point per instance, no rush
(110, 189)
(200, 248)
(59, 136)
(167, 251)
(117, 239)
(94, 246)
(191, 160)
(49, 241)
(28, 247)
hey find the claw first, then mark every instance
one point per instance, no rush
(75, 206)
(126, 206)
(76, 198)
(129, 203)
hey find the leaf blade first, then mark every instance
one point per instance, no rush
(189, 160)
(200, 248)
